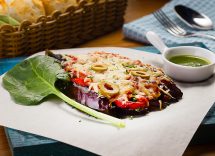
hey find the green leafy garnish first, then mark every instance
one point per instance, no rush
(4, 19)
(133, 99)
(2, 23)
(34, 79)
(91, 77)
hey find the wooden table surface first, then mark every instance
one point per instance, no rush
(136, 9)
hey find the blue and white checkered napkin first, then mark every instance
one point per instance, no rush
(136, 30)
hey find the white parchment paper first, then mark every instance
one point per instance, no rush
(163, 133)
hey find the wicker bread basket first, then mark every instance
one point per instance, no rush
(62, 30)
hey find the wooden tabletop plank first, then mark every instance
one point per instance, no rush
(136, 9)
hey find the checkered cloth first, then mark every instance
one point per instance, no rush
(136, 30)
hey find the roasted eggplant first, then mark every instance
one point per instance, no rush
(150, 88)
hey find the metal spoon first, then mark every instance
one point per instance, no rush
(193, 18)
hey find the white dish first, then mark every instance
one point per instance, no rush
(180, 72)
(165, 132)
(187, 73)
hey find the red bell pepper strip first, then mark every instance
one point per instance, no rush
(79, 81)
(143, 103)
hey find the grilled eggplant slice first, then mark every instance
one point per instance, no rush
(157, 92)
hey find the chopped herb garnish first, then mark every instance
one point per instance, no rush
(129, 65)
(139, 109)
(90, 77)
(131, 117)
(133, 99)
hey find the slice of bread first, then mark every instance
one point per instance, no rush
(26, 9)
(3, 7)
(60, 5)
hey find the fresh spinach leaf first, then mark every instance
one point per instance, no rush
(33, 79)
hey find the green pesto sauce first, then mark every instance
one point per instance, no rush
(189, 60)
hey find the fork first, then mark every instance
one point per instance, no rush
(175, 29)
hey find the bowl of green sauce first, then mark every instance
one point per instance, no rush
(189, 63)
(184, 63)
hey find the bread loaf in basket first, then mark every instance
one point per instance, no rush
(56, 29)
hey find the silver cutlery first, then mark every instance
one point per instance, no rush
(192, 18)
(175, 29)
